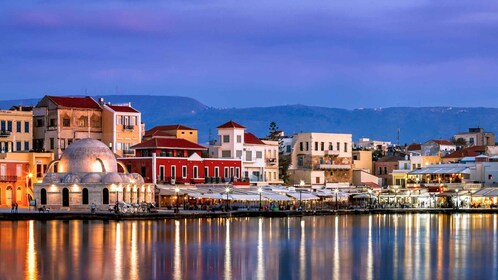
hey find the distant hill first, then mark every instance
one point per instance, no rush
(415, 124)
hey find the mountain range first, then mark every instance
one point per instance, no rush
(414, 124)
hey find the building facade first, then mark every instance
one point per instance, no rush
(16, 129)
(477, 137)
(437, 148)
(321, 158)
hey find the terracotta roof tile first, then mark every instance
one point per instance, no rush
(467, 152)
(250, 138)
(442, 142)
(75, 102)
(160, 129)
(231, 124)
(125, 109)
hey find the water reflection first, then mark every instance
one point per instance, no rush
(340, 247)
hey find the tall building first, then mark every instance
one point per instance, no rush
(259, 158)
(321, 158)
(121, 127)
(477, 137)
(60, 120)
(16, 126)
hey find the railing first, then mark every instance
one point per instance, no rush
(52, 128)
(8, 178)
(4, 133)
(128, 152)
(332, 153)
(334, 166)
(271, 161)
(128, 127)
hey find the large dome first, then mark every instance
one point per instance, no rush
(87, 155)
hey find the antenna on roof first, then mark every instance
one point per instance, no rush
(398, 136)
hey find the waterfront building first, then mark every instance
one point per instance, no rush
(121, 127)
(259, 158)
(87, 173)
(18, 172)
(437, 148)
(363, 160)
(371, 145)
(60, 120)
(384, 167)
(16, 126)
(476, 137)
(319, 159)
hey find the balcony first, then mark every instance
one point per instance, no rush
(271, 161)
(8, 178)
(128, 152)
(52, 128)
(128, 127)
(334, 166)
(4, 133)
(332, 153)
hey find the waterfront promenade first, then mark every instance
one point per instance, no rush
(29, 214)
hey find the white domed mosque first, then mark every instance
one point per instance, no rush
(87, 173)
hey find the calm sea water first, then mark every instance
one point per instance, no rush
(418, 246)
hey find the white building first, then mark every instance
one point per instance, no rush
(369, 144)
(259, 158)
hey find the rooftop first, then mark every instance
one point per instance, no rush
(75, 102)
(168, 143)
(231, 124)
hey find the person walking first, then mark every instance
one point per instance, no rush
(13, 207)
(93, 208)
(17, 207)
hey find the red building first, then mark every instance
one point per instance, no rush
(13, 183)
(168, 160)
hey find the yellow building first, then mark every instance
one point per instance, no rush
(16, 126)
(175, 131)
(18, 172)
(121, 127)
(363, 160)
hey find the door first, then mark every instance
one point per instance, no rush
(8, 196)
(65, 197)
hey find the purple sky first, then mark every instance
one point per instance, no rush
(347, 54)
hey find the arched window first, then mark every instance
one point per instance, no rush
(8, 196)
(85, 196)
(65, 197)
(43, 196)
(105, 196)
(18, 194)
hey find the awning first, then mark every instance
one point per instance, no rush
(245, 197)
(276, 197)
(486, 192)
(441, 170)
(302, 196)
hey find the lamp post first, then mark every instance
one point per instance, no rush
(336, 192)
(227, 191)
(177, 191)
(260, 191)
(396, 197)
(370, 198)
(458, 198)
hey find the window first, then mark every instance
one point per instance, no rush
(307, 146)
(66, 122)
(39, 123)
(238, 154)
(2, 125)
(52, 122)
(18, 170)
(316, 146)
(52, 143)
(206, 171)
(338, 146)
(345, 147)
(173, 172)
(184, 172)
(237, 172)
(128, 167)
(380, 170)
(161, 173)
(356, 157)
(18, 126)
(231, 172)
(82, 122)
(216, 171)
(331, 147)
(43, 198)
(143, 171)
(259, 154)
(301, 146)
(84, 199)
(105, 196)
(9, 126)
(406, 165)
(322, 146)
(26, 145)
(225, 172)
(317, 180)
(385, 170)
(239, 138)
(18, 146)
(196, 172)
(300, 161)
(288, 149)
(249, 155)
(226, 154)
(226, 138)
(490, 176)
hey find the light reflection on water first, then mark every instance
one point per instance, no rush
(341, 247)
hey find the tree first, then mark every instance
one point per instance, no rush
(273, 133)
(460, 142)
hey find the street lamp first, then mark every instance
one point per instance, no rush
(227, 191)
(336, 192)
(396, 197)
(260, 191)
(177, 191)
(458, 198)
(370, 196)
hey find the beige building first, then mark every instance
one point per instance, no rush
(174, 131)
(477, 137)
(271, 160)
(321, 158)
(59, 121)
(121, 127)
(16, 127)
(363, 160)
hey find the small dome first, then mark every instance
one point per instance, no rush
(112, 178)
(71, 179)
(87, 155)
(51, 178)
(91, 178)
(125, 178)
(137, 178)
